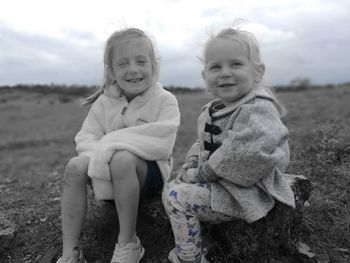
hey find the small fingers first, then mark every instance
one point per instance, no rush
(178, 178)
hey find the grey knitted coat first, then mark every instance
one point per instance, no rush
(242, 152)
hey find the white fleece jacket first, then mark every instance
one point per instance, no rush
(145, 126)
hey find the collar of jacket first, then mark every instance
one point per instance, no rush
(116, 92)
(258, 92)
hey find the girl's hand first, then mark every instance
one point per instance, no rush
(179, 176)
(190, 163)
(189, 176)
(186, 166)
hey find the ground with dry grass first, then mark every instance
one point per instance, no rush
(36, 140)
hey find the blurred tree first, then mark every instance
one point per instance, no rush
(300, 83)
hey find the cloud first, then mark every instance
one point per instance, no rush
(58, 42)
(180, 68)
(34, 58)
(317, 50)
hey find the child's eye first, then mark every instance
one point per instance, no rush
(122, 64)
(141, 62)
(236, 64)
(214, 68)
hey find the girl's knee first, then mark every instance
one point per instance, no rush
(122, 162)
(122, 159)
(172, 197)
(76, 170)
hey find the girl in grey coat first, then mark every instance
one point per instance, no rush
(235, 169)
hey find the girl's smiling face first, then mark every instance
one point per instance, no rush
(228, 72)
(132, 66)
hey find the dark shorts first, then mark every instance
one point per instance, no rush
(153, 183)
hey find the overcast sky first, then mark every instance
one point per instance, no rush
(61, 41)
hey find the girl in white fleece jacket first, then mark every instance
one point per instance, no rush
(124, 146)
(235, 168)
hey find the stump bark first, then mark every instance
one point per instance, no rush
(273, 238)
(8, 231)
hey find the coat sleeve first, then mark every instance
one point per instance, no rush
(192, 156)
(92, 130)
(191, 160)
(150, 141)
(255, 146)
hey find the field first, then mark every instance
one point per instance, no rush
(36, 140)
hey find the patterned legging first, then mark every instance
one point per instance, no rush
(187, 205)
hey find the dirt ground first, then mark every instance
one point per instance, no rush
(36, 141)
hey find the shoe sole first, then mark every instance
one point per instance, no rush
(172, 257)
(142, 254)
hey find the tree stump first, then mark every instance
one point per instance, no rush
(8, 231)
(101, 230)
(273, 238)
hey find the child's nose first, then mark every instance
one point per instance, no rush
(225, 72)
(132, 67)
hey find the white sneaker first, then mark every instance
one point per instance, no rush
(77, 257)
(175, 259)
(131, 253)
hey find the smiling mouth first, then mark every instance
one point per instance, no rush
(226, 85)
(134, 80)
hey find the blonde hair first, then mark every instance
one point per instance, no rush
(245, 38)
(250, 44)
(122, 35)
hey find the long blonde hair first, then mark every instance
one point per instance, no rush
(122, 35)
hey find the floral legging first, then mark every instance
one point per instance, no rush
(187, 205)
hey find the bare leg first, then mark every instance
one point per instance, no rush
(128, 175)
(73, 205)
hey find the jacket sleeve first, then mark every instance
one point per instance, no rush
(191, 160)
(255, 146)
(92, 130)
(150, 141)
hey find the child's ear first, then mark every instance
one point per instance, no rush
(203, 74)
(111, 73)
(260, 71)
